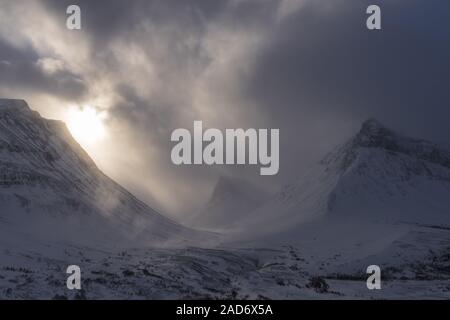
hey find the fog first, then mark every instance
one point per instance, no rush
(309, 68)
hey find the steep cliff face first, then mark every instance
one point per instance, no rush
(48, 183)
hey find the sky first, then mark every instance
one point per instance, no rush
(310, 68)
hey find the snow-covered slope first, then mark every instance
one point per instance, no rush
(49, 185)
(314, 239)
(377, 176)
(390, 177)
(230, 200)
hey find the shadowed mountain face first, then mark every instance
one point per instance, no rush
(49, 184)
(230, 200)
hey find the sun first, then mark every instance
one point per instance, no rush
(86, 124)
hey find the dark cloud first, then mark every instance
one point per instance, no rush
(21, 69)
(314, 71)
(325, 62)
(10, 53)
(105, 21)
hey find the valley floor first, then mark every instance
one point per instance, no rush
(284, 272)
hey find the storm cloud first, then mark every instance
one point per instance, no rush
(309, 68)
(25, 70)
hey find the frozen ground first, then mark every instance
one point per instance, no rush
(283, 272)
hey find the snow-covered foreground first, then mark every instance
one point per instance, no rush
(37, 270)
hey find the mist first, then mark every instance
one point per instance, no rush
(309, 68)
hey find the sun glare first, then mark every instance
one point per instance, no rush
(86, 125)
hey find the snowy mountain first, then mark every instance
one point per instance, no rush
(49, 185)
(380, 198)
(391, 177)
(313, 239)
(230, 200)
(377, 176)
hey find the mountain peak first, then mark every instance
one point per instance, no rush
(375, 129)
(223, 185)
(375, 137)
(14, 103)
(373, 134)
(235, 187)
(372, 125)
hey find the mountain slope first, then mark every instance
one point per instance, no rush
(48, 184)
(230, 200)
(377, 176)
(390, 177)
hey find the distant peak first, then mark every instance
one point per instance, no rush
(374, 133)
(373, 127)
(372, 122)
(13, 103)
(223, 185)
